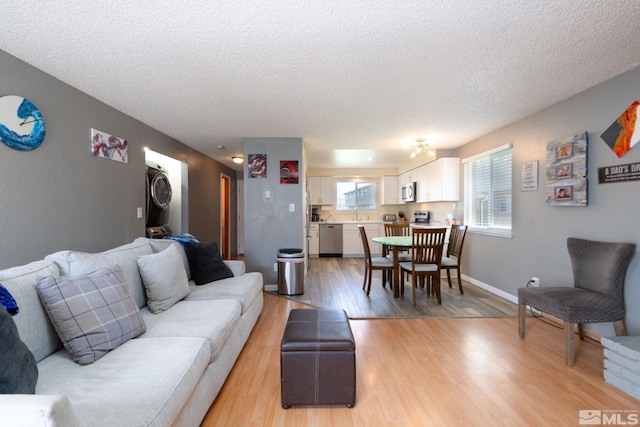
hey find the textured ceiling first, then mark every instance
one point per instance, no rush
(344, 75)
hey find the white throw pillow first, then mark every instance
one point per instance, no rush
(164, 278)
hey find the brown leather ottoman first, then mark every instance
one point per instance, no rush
(318, 359)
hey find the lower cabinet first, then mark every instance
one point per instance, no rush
(314, 242)
(352, 243)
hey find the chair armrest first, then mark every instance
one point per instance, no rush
(237, 267)
(34, 410)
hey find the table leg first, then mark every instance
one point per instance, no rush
(396, 273)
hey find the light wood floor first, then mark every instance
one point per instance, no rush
(337, 283)
(428, 372)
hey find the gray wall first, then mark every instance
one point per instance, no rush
(60, 197)
(269, 225)
(538, 246)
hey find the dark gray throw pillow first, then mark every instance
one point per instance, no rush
(18, 369)
(205, 262)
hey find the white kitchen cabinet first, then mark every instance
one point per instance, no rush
(373, 230)
(352, 242)
(314, 242)
(390, 190)
(422, 186)
(321, 190)
(438, 181)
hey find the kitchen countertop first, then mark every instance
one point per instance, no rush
(433, 224)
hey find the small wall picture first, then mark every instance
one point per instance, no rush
(564, 151)
(564, 193)
(109, 146)
(564, 171)
(288, 171)
(257, 165)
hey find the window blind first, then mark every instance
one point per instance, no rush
(488, 192)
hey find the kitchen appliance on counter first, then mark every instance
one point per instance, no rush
(330, 240)
(389, 218)
(315, 217)
(409, 192)
(422, 217)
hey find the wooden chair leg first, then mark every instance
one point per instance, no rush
(522, 319)
(621, 329)
(414, 285)
(364, 282)
(436, 286)
(369, 281)
(449, 276)
(568, 343)
(459, 280)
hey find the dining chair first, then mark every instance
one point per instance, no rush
(453, 259)
(372, 263)
(599, 270)
(396, 229)
(426, 254)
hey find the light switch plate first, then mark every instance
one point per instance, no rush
(292, 207)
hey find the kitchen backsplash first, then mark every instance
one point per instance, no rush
(439, 211)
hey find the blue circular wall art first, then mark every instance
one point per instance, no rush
(21, 123)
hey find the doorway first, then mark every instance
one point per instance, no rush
(225, 209)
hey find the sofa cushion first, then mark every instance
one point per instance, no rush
(213, 320)
(18, 370)
(72, 263)
(164, 278)
(34, 326)
(93, 314)
(244, 289)
(159, 245)
(142, 383)
(205, 262)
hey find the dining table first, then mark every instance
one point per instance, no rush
(396, 243)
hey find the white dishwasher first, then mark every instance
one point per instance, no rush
(330, 240)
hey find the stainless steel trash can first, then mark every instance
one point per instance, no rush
(291, 271)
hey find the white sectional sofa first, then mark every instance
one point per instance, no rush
(167, 376)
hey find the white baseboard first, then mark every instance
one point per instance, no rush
(271, 288)
(491, 289)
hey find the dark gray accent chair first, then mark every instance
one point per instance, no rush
(599, 270)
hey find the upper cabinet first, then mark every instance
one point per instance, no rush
(321, 190)
(438, 181)
(390, 190)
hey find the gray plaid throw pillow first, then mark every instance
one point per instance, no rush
(93, 313)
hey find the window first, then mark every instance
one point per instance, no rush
(487, 192)
(351, 196)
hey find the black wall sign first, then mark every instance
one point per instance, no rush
(619, 173)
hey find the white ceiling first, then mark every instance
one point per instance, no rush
(344, 75)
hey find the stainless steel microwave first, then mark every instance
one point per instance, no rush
(409, 192)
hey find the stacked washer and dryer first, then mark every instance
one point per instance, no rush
(158, 200)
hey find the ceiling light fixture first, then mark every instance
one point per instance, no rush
(422, 147)
(237, 159)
